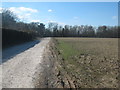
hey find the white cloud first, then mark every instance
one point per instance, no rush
(50, 10)
(27, 9)
(23, 13)
(22, 9)
(114, 17)
(35, 21)
(24, 16)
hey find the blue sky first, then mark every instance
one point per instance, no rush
(71, 13)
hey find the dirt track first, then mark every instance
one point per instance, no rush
(37, 67)
(22, 70)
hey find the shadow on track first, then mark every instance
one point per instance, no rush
(13, 51)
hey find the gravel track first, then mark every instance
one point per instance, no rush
(20, 71)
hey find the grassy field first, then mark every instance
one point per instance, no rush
(90, 62)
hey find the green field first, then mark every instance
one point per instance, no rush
(90, 62)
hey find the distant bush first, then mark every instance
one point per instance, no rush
(13, 37)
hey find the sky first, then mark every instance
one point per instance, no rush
(70, 13)
(60, 0)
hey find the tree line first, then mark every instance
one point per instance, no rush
(11, 21)
(83, 31)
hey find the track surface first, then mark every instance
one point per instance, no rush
(21, 70)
